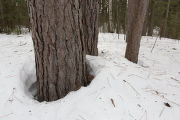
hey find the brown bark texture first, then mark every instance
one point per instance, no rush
(136, 15)
(90, 26)
(57, 33)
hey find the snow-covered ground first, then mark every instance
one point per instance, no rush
(121, 90)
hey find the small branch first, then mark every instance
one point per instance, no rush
(161, 112)
(145, 114)
(113, 102)
(154, 44)
(162, 96)
(135, 75)
(137, 93)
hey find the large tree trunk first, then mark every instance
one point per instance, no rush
(90, 26)
(59, 47)
(136, 15)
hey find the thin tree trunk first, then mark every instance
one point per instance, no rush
(164, 25)
(136, 16)
(59, 47)
(151, 18)
(110, 23)
(145, 25)
(1, 17)
(167, 14)
(90, 26)
(126, 18)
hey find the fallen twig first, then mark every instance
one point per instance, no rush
(113, 102)
(154, 44)
(137, 93)
(162, 96)
(161, 112)
(11, 98)
(135, 75)
(145, 113)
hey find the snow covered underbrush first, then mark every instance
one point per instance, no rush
(120, 90)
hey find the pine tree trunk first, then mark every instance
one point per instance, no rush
(90, 26)
(136, 15)
(59, 47)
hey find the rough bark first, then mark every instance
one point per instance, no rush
(136, 15)
(90, 26)
(59, 47)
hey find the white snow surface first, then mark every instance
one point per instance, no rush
(120, 90)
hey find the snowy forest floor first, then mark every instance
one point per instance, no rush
(120, 90)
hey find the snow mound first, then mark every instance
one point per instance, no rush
(121, 90)
(28, 78)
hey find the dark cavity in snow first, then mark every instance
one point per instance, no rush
(29, 83)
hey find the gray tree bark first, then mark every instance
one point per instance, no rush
(60, 53)
(136, 15)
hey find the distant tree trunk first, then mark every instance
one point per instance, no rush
(164, 23)
(1, 17)
(110, 24)
(126, 22)
(136, 15)
(145, 26)
(90, 26)
(151, 18)
(59, 47)
(118, 22)
(176, 27)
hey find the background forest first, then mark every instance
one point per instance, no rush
(163, 18)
